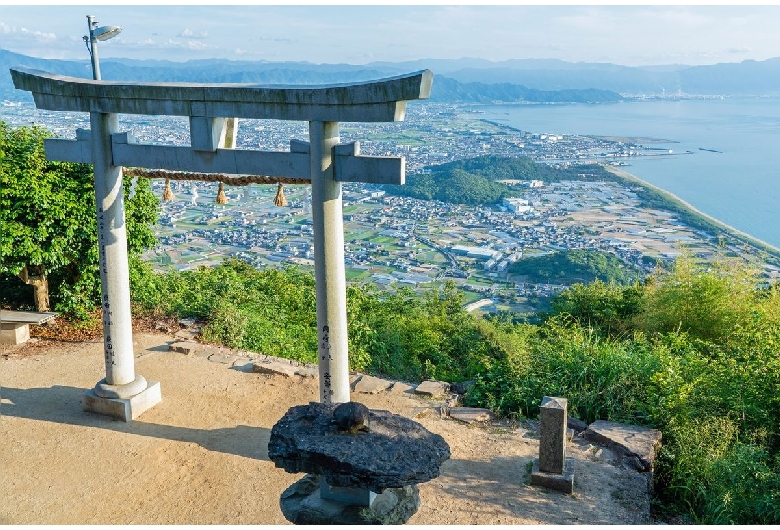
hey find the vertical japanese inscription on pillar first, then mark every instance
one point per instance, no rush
(108, 346)
(325, 358)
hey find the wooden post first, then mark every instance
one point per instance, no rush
(40, 285)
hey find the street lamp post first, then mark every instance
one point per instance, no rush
(96, 34)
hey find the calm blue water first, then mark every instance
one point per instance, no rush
(740, 186)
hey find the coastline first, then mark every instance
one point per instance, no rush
(734, 232)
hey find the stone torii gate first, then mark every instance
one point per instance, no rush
(212, 110)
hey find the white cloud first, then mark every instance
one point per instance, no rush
(196, 46)
(190, 34)
(39, 35)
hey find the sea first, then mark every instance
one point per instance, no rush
(724, 157)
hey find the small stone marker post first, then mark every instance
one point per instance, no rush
(552, 469)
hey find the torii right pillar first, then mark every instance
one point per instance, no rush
(329, 271)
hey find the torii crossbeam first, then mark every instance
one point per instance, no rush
(211, 108)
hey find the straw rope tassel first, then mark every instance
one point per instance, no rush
(167, 194)
(280, 200)
(221, 197)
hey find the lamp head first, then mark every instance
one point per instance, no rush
(106, 32)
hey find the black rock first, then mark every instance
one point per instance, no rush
(396, 452)
(351, 417)
(462, 388)
(577, 425)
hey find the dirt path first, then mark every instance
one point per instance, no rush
(200, 456)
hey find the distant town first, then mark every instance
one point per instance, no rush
(395, 241)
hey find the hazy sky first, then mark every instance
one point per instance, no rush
(628, 35)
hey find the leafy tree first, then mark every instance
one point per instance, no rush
(48, 229)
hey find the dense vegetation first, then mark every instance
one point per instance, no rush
(273, 311)
(575, 266)
(48, 226)
(455, 186)
(692, 351)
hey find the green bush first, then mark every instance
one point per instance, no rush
(608, 307)
(744, 488)
(709, 302)
(602, 378)
(413, 338)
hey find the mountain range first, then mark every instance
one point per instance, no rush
(462, 80)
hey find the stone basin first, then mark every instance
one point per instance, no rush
(394, 453)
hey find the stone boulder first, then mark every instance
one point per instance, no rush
(637, 445)
(274, 368)
(470, 415)
(575, 424)
(185, 347)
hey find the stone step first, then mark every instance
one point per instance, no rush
(185, 347)
(433, 389)
(274, 368)
(470, 415)
(371, 385)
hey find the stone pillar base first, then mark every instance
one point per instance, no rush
(561, 482)
(126, 409)
(302, 503)
(358, 497)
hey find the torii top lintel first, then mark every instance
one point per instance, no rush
(383, 100)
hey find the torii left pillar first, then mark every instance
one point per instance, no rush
(123, 394)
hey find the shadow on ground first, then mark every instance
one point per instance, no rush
(57, 403)
(502, 484)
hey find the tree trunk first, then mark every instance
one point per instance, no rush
(34, 275)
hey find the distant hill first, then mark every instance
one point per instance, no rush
(450, 90)
(288, 73)
(744, 78)
(463, 80)
(471, 181)
(454, 186)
